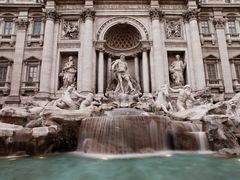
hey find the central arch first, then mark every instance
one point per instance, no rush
(122, 35)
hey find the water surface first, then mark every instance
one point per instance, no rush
(165, 167)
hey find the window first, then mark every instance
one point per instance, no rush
(37, 27)
(237, 68)
(232, 27)
(8, 27)
(32, 73)
(212, 71)
(3, 72)
(227, 1)
(205, 27)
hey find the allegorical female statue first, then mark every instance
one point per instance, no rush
(68, 73)
(176, 71)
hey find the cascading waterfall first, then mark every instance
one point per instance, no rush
(122, 131)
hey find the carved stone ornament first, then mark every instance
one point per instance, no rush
(22, 24)
(156, 14)
(70, 29)
(173, 29)
(51, 14)
(219, 23)
(190, 14)
(89, 13)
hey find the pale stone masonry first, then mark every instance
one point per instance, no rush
(38, 36)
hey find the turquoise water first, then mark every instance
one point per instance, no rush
(75, 167)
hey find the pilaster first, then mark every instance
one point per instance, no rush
(21, 24)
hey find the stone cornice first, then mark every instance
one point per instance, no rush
(156, 14)
(22, 24)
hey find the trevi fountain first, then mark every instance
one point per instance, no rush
(119, 90)
(123, 125)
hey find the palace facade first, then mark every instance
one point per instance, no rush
(46, 44)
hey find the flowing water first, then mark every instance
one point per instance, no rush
(162, 167)
(124, 131)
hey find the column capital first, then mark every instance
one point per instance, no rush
(51, 14)
(190, 14)
(22, 24)
(156, 14)
(219, 23)
(88, 13)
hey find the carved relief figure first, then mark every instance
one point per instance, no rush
(71, 30)
(68, 73)
(185, 98)
(173, 29)
(120, 69)
(176, 71)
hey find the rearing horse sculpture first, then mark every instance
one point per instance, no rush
(162, 100)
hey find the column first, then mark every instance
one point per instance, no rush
(80, 56)
(47, 55)
(223, 51)
(87, 78)
(22, 24)
(198, 66)
(109, 69)
(145, 71)
(101, 71)
(157, 48)
(188, 59)
(136, 67)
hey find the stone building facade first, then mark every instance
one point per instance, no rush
(48, 45)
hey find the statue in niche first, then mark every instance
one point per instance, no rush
(176, 69)
(185, 98)
(68, 73)
(70, 30)
(120, 70)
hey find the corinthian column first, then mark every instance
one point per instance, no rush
(47, 55)
(87, 78)
(101, 71)
(21, 25)
(223, 51)
(197, 59)
(158, 58)
(145, 70)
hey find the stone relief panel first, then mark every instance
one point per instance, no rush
(68, 70)
(173, 29)
(70, 29)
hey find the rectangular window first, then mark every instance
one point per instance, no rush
(32, 73)
(212, 73)
(232, 27)
(3, 73)
(37, 27)
(8, 27)
(237, 67)
(205, 27)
